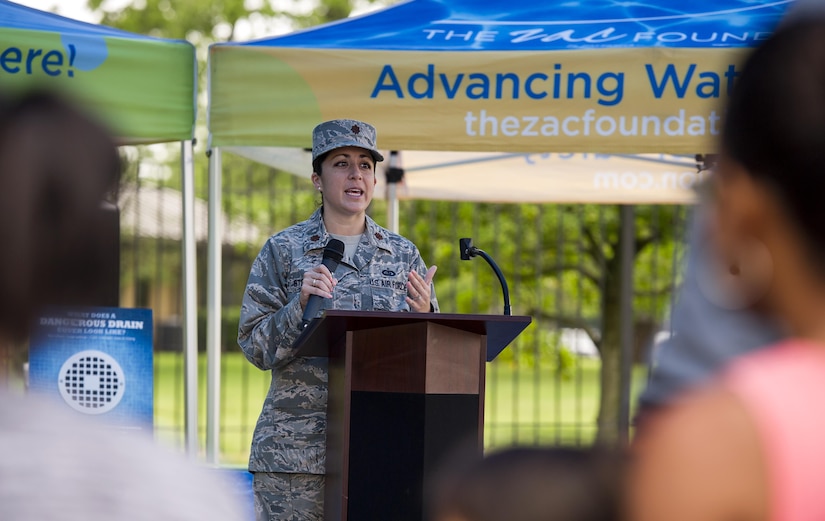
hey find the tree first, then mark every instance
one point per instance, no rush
(181, 19)
(655, 227)
(211, 21)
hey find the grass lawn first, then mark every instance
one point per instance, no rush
(524, 405)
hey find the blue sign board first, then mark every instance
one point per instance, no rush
(97, 361)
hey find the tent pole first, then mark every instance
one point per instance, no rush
(394, 174)
(213, 316)
(626, 321)
(190, 300)
(392, 207)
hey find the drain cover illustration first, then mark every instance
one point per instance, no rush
(91, 382)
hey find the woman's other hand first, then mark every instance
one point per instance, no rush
(419, 290)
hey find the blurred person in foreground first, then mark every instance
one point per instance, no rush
(56, 167)
(380, 271)
(708, 329)
(533, 484)
(749, 446)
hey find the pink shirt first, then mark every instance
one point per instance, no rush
(783, 388)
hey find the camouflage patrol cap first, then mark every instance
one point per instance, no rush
(339, 133)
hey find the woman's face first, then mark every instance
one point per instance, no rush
(347, 180)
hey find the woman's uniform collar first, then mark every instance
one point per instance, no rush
(317, 235)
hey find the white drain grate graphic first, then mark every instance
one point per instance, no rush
(91, 382)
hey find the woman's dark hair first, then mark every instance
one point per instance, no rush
(57, 166)
(316, 163)
(535, 484)
(775, 124)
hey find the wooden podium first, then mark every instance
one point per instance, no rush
(405, 389)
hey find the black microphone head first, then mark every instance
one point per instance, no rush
(465, 248)
(334, 250)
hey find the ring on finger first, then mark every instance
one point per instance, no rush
(314, 282)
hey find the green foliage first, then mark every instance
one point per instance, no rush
(264, 195)
(211, 21)
(182, 19)
(565, 361)
(327, 11)
(554, 256)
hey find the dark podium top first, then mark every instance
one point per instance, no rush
(334, 323)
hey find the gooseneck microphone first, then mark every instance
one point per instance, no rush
(333, 253)
(468, 251)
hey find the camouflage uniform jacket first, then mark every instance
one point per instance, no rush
(291, 432)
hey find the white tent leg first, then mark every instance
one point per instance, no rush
(190, 301)
(213, 316)
(393, 174)
(392, 207)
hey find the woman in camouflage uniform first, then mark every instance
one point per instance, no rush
(380, 271)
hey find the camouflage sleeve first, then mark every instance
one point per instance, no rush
(270, 320)
(418, 265)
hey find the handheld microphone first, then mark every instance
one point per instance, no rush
(333, 253)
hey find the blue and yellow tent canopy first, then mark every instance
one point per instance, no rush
(495, 75)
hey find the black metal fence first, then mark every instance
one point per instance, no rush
(561, 262)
